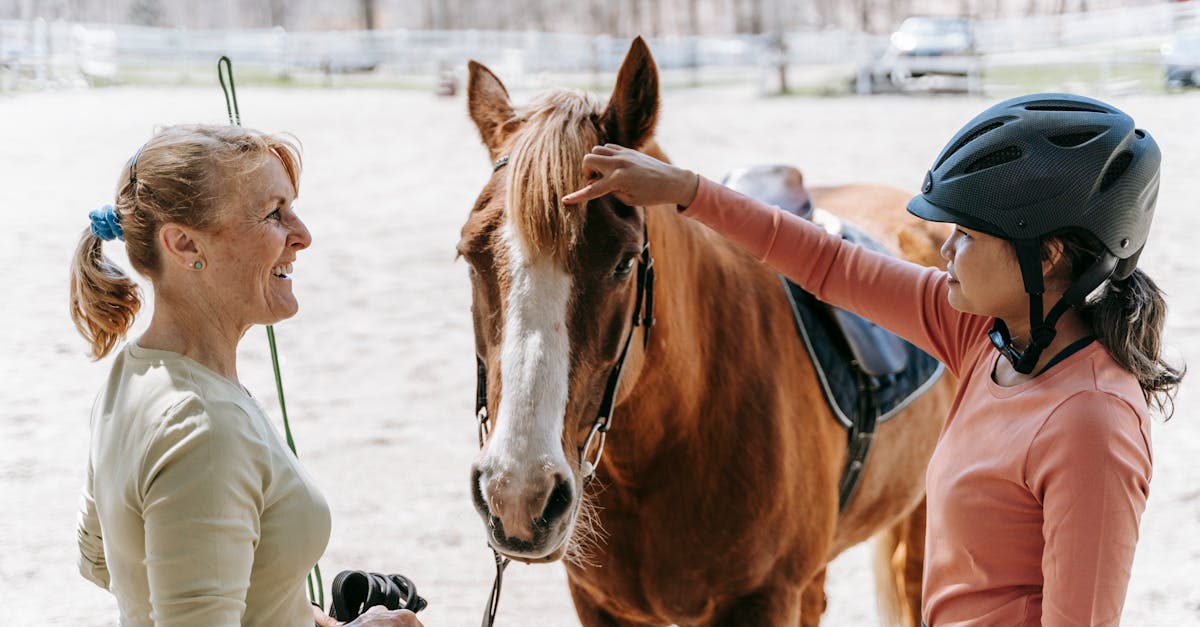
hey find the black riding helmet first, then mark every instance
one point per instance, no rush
(1042, 165)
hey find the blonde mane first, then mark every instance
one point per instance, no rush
(545, 165)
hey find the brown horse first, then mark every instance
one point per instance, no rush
(716, 500)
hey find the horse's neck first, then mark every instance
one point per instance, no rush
(654, 150)
(692, 262)
(696, 269)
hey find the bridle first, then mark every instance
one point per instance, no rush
(643, 316)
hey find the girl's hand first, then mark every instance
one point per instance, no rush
(634, 178)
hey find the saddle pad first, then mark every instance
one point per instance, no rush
(842, 345)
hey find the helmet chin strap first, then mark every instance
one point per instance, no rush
(1041, 330)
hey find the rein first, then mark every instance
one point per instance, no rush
(643, 316)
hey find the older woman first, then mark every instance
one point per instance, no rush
(194, 513)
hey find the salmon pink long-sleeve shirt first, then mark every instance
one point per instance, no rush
(1034, 491)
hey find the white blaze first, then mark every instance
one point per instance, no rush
(534, 367)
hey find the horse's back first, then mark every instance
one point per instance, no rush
(881, 211)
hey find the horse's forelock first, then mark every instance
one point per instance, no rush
(545, 165)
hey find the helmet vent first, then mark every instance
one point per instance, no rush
(1071, 140)
(1064, 107)
(972, 136)
(1115, 170)
(1002, 156)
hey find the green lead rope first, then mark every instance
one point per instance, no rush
(225, 68)
(318, 596)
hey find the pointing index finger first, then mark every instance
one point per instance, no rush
(596, 189)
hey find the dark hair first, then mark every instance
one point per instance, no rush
(1127, 315)
(178, 178)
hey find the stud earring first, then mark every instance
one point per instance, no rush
(198, 265)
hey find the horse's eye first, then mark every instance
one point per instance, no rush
(626, 267)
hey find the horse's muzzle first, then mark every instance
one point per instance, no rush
(525, 524)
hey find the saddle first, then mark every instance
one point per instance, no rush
(867, 373)
(356, 591)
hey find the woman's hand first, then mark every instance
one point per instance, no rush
(322, 619)
(378, 616)
(634, 178)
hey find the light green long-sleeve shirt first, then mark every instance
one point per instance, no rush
(193, 510)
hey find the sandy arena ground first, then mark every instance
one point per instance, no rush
(378, 365)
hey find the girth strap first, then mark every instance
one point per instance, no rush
(860, 436)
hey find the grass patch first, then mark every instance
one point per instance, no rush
(1144, 77)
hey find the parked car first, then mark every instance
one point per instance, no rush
(934, 37)
(1181, 60)
(927, 53)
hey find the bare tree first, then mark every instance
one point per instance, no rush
(146, 13)
(823, 13)
(616, 17)
(693, 31)
(898, 10)
(278, 12)
(634, 22)
(368, 13)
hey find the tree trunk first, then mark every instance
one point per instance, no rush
(693, 26)
(278, 9)
(823, 14)
(368, 9)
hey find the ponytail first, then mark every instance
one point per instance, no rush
(1127, 315)
(104, 300)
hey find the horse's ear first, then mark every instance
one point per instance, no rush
(490, 107)
(633, 107)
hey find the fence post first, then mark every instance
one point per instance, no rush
(40, 44)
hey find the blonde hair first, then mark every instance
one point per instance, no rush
(180, 176)
(545, 165)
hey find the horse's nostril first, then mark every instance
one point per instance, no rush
(556, 505)
(476, 491)
(481, 504)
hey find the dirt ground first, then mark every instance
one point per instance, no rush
(378, 364)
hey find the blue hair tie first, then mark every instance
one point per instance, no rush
(105, 224)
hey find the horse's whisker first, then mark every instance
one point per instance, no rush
(589, 532)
